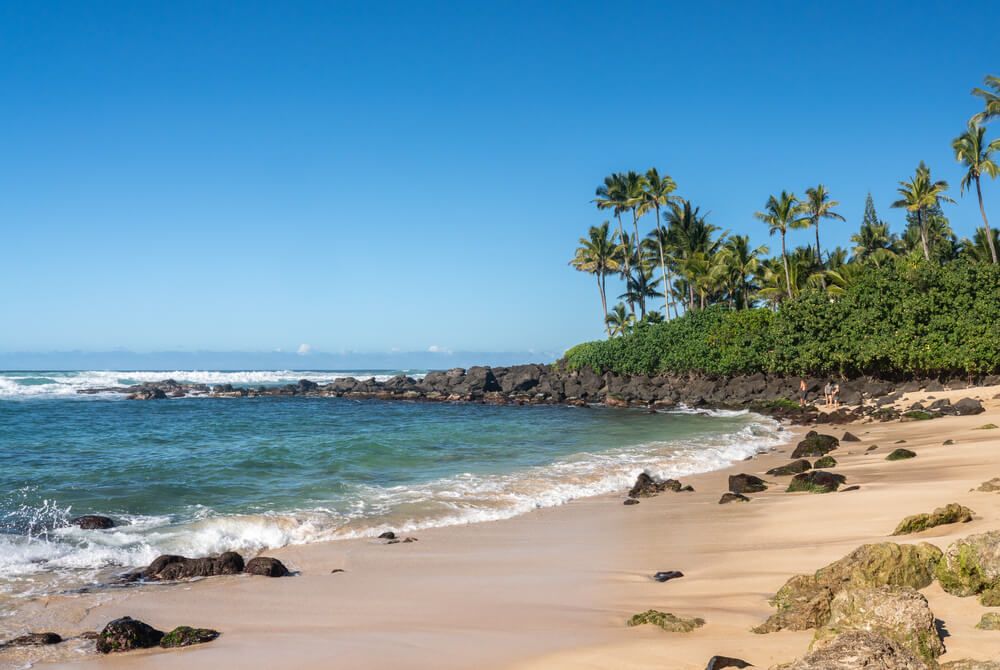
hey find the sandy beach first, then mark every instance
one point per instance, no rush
(553, 589)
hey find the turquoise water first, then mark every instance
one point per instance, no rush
(198, 475)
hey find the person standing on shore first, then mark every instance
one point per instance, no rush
(802, 392)
(828, 394)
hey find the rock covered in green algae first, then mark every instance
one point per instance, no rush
(825, 462)
(744, 483)
(185, 636)
(989, 621)
(899, 614)
(816, 481)
(900, 455)
(804, 601)
(917, 415)
(815, 444)
(992, 486)
(793, 468)
(125, 634)
(969, 664)
(950, 513)
(666, 621)
(857, 649)
(971, 566)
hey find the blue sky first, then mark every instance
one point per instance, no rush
(400, 176)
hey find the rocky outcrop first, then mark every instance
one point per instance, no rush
(93, 522)
(968, 407)
(32, 640)
(666, 621)
(991, 486)
(815, 444)
(266, 567)
(744, 483)
(969, 664)
(816, 481)
(899, 614)
(950, 513)
(126, 634)
(804, 601)
(647, 486)
(971, 566)
(793, 468)
(185, 636)
(172, 568)
(856, 650)
(730, 497)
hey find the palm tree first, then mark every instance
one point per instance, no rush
(741, 264)
(598, 255)
(657, 194)
(977, 248)
(781, 214)
(991, 99)
(977, 158)
(635, 198)
(619, 321)
(920, 194)
(639, 287)
(818, 205)
(612, 195)
(687, 234)
(874, 243)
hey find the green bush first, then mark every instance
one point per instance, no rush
(911, 318)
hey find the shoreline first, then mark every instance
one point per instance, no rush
(552, 588)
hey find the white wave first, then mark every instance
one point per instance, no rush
(66, 384)
(370, 510)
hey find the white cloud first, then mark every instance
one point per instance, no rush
(304, 349)
(435, 349)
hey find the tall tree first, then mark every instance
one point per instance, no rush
(991, 99)
(635, 198)
(598, 255)
(741, 264)
(688, 233)
(658, 190)
(619, 321)
(870, 216)
(873, 243)
(781, 214)
(976, 155)
(818, 205)
(612, 195)
(920, 194)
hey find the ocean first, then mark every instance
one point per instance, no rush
(197, 476)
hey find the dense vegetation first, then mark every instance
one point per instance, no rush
(922, 302)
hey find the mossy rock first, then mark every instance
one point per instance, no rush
(990, 621)
(950, 513)
(666, 621)
(899, 614)
(816, 481)
(185, 636)
(126, 634)
(793, 468)
(971, 566)
(987, 426)
(991, 486)
(948, 443)
(970, 664)
(900, 455)
(825, 462)
(815, 444)
(917, 415)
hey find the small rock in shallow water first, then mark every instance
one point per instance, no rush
(732, 497)
(667, 575)
(125, 634)
(185, 636)
(387, 535)
(720, 662)
(266, 567)
(32, 640)
(93, 522)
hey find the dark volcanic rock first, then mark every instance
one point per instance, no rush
(720, 662)
(185, 636)
(900, 454)
(126, 634)
(646, 486)
(387, 535)
(816, 481)
(93, 522)
(266, 567)
(630, 501)
(793, 468)
(32, 640)
(815, 444)
(968, 406)
(850, 437)
(667, 575)
(170, 567)
(744, 483)
(732, 497)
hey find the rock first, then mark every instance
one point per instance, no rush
(917, 415)
(987, 426)
(857, 650)
(991, 486)
(871, 448)
(336, 570)
(969, 664)
(850, 488)
(171, 568)
(732, 497)
(666, 621)
(387, 535)
(950, 513)
(33, 640)
(971, 566)
(630, 501)
(646, 486)
(948, 443)
(266, 567)
(185, 636)
(126, 634)
(804, 601)
(900, 454)
(815, 444)
(900, 442)
(989, 621)
(968, 406)
(744, 483)
(825, 462)
(93, 522)
(793, 468)
(899, 614)
(720, 662)
(850, 437)
(816, 481)
(667, 575)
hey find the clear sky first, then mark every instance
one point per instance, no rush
(376, 176)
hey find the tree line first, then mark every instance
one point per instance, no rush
(686, 264)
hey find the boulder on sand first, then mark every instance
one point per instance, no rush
(793, 468)
(169, 567)
(722, 662)
(900, 454)
(968, 407)
(266, 567)
(666, 621)
(729, 497)
(850, 437)
(950, 513)
(816, 481)
(804, 601)
(185, 636)
(125, 634)
(32, 640)
(825, 462)
(971, 566)
(646, 486)
(815, 445)
(744, 483)
(857, 649)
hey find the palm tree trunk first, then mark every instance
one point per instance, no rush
(604, 301)
(663, 265)
(819, 254)
(628, 253)
(784, 259)
(986, 223)
(923, 234)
